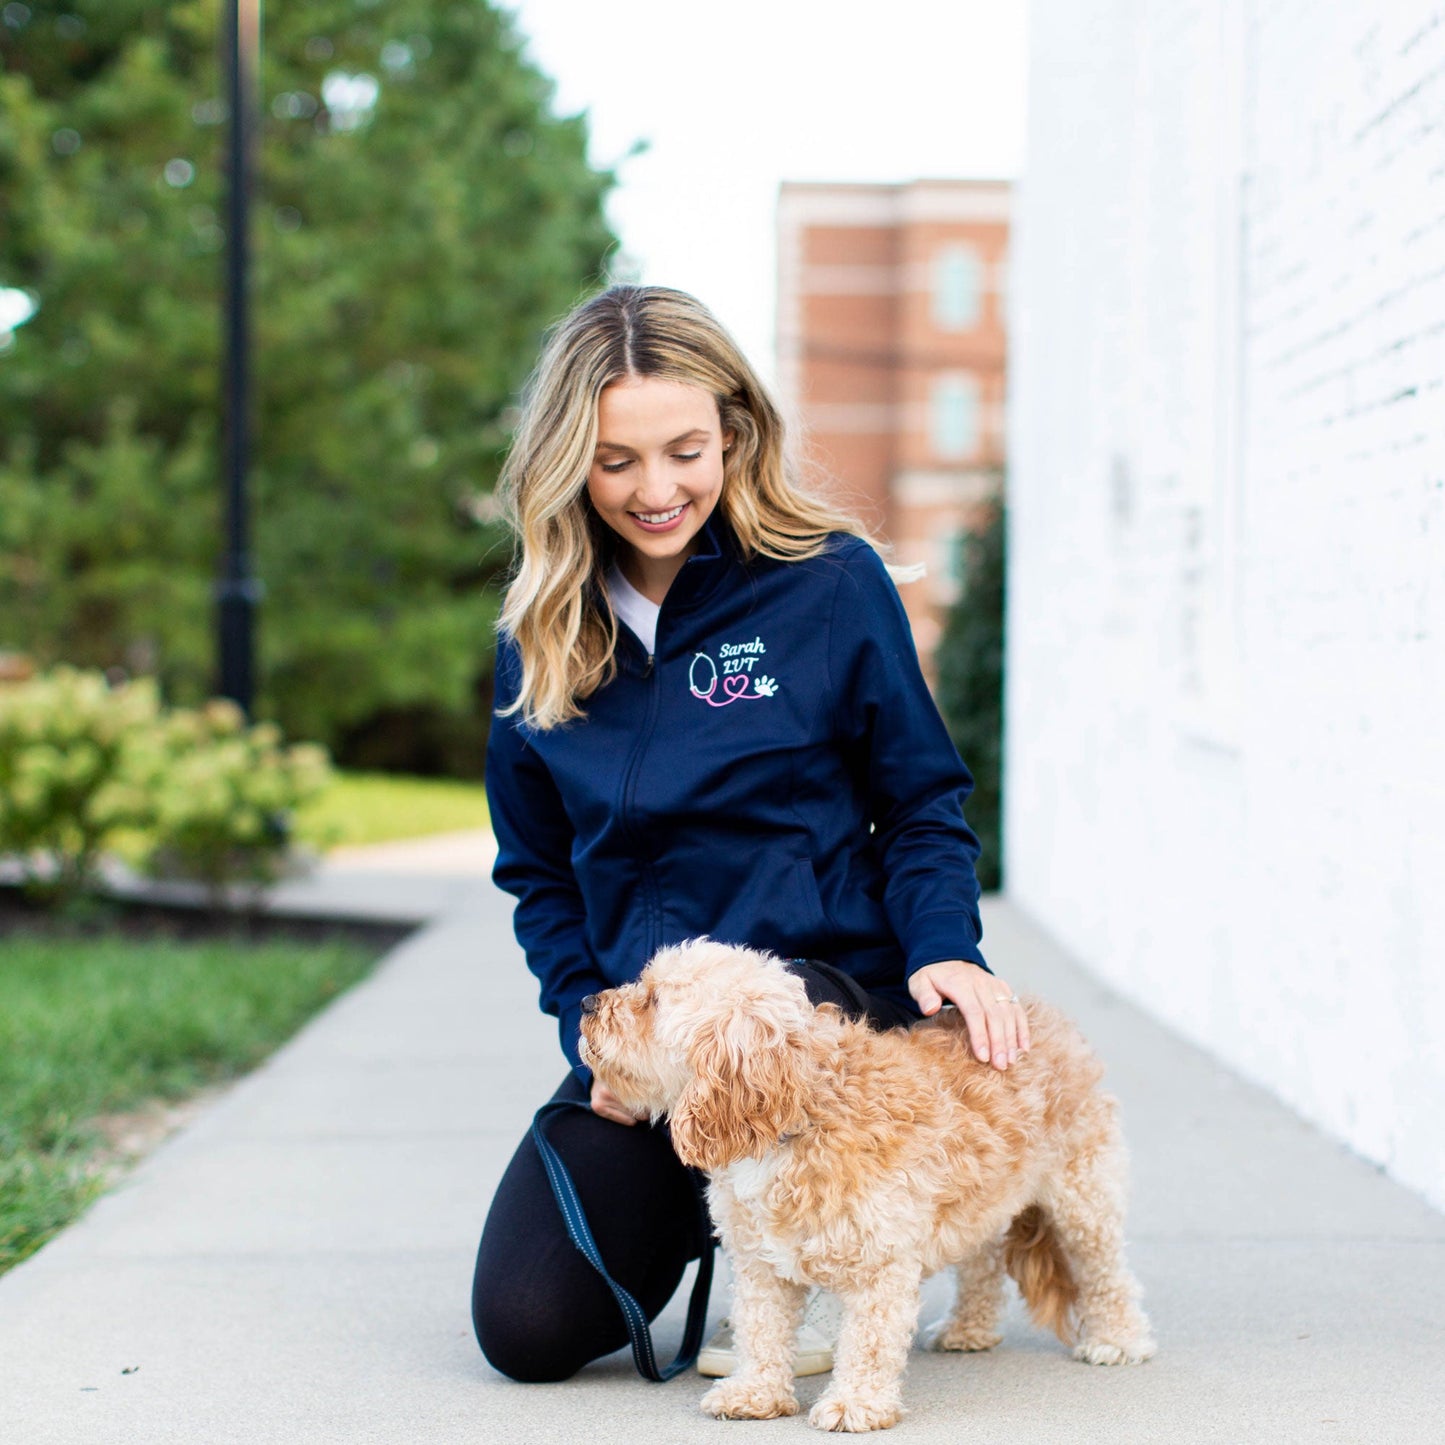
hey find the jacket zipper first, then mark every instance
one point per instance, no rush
(626, 801)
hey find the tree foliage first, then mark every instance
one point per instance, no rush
(419, 216)
(970, 662)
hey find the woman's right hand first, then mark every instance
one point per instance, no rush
(606, 1103)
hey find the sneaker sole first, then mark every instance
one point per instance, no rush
(716, 1364)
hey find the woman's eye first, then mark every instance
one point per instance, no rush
(614, 466)
(687, 456)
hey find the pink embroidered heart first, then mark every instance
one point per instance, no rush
(735, 686)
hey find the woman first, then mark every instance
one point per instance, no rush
(710, 720)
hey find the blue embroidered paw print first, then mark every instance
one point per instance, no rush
(764, 686)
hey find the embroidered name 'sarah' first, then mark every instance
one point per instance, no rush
(755, 648)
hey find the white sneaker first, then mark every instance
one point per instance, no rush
(813, 1354)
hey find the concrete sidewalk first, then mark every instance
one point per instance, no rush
(295, 1265)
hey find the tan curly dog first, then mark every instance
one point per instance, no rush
(862, 1162)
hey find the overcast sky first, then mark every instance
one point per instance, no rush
(733, 99)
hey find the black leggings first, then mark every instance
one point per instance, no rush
(539, 1309)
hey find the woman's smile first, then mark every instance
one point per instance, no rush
(659, 521)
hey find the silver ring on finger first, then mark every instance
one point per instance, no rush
(1006, 998)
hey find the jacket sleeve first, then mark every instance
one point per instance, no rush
(915, 780)
(534, 864)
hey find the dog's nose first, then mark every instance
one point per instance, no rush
(589, 1004)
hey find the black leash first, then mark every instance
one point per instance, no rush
(577, 1226)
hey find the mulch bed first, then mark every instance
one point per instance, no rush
(94, 916)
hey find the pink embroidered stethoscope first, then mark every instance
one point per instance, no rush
(734, 686)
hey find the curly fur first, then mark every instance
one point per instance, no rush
(862, 1162)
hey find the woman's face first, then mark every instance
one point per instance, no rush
(657, 474)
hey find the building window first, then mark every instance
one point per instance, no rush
(955, 415)
(957, 281)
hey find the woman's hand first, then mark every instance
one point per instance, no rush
(997, 1026)
(606, 1103)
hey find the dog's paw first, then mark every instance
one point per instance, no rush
(737, 1398)
(835, 1412)
(951, 1335)
(1109, 1352)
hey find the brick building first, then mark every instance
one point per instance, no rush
(891, 359)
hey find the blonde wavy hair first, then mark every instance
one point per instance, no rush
(556, 607)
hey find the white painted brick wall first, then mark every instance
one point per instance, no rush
(1226, 684)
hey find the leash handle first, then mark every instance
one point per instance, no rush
(581, 1235)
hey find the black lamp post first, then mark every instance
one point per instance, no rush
(237, 592)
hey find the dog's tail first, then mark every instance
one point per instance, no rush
(1033, 1256)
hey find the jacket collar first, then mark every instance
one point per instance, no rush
(703, 572)
(700, 575)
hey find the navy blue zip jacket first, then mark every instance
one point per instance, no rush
(775, 775)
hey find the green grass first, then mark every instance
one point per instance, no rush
(379, 807)
(95, 1025)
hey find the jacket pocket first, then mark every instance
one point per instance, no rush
(811, 899)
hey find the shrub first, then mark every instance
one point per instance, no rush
(970, 661)
(227, 796)
(73, 771)
(80, 761)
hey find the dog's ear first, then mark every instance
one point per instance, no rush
(747, 1088)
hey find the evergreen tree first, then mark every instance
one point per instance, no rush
(970, 660)
(420, 216)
